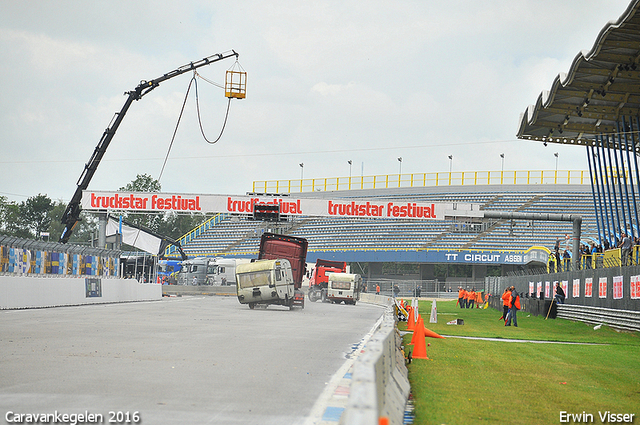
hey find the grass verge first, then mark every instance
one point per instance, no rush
(476, 381)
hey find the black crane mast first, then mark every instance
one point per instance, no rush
(71, 215)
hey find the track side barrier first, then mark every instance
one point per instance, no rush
(379, 387)
(39, 291)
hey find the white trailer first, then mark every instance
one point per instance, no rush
(344, 287)
(265, 282)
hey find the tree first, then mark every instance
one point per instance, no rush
(35, 214)
(11, 221)
(176, 225)
(84, 231)
(144, 183)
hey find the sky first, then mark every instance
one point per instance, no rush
(327, 82)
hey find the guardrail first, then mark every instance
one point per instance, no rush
(619, 319)
(172, 250)
(458, 178)
(379, 387)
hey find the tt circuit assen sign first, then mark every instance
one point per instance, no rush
(158, 202)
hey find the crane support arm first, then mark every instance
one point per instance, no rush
(71, 214)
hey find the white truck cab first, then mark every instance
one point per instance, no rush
(265, 282)
(344, 287)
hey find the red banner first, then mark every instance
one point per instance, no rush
(588, 287)
(371, 208)
(602, 287)
(617, 287)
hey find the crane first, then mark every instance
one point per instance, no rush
(71, 214)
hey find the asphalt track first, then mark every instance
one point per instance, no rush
(188, 360)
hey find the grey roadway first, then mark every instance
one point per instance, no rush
(189, 360)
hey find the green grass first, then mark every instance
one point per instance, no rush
(474, 381)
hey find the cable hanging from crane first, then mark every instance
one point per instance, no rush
(235, 87)
(224, 124)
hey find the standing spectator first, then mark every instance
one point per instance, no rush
(505, 303)
(418, 291)
(566, 260)
(625, 246)
(513, 308)
(472, 298)
(560, 295)
(396, 290)
(461, 296)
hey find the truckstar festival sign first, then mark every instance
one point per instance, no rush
(158, 202)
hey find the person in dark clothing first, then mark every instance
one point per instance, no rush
(513, 308)
(560, 295)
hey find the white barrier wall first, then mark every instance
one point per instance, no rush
(380, 386)
(42, 291)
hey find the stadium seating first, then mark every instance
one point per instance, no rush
(237, 235)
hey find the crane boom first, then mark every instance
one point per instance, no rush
(71, 214)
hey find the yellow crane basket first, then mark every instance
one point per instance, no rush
(235, 83)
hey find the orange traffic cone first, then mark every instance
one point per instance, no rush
(431, 334)
(411, 325)
(415, 330)
(420, 345)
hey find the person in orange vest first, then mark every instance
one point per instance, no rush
(478, 299)
(377, 289)
(514, 306)
(471, 298)
(505, 303)
(461, 296)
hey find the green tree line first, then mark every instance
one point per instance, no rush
(39, 214)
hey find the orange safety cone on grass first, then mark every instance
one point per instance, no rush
(415, 329)
(431, 334)
(420, 345)
(411, 321)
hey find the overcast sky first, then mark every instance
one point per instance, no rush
(328, 82)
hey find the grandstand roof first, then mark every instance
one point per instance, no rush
(601, 85)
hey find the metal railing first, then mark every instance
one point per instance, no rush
(172, 250)
(458, 178)
(600, 260)
(619, 319)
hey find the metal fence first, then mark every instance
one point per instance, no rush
(456, 178)
(612, 288)
(414, 288)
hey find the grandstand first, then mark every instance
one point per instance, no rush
(402, 240)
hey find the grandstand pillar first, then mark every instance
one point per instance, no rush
(427, 271)
(478, 272)
(102, 230)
